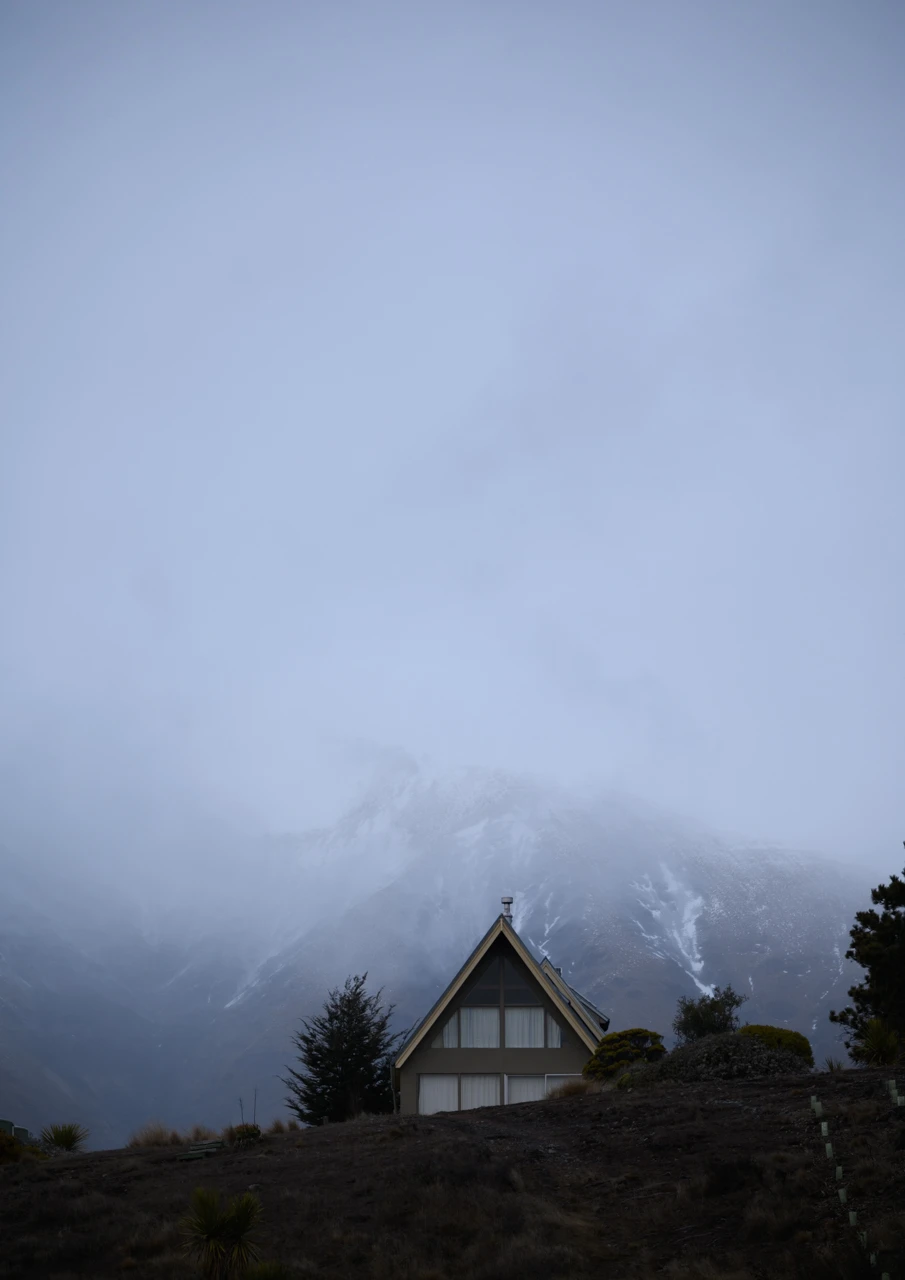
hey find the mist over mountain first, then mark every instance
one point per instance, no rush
(162, 1018)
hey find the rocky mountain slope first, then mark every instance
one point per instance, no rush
(113, 1027)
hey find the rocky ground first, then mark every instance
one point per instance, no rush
(683, 1180)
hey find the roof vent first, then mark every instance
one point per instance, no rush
(507, 908)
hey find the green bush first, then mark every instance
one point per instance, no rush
(781, 1038)
(620, 1048)
(12, 1150)
(729, 1056)
(64, 1137)
(708, 1015)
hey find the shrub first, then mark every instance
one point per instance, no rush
(221, 1239)
(725, 1057)
(708, 1015)
(155, 1134)
(572, 1089)
(620, 1048)
(64, 1137)
(781, 1038)
(244, 1135)
(12, 1150)
(878, 1045)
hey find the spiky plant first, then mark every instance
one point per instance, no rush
(64, 1137)
(878, 1044)
(834, 1064)
(245, 1135)
(221, 1239)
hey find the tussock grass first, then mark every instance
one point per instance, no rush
(201, 1133)
(155, 1134)
(221, 1239)
(277, 1126)
(575, 1089)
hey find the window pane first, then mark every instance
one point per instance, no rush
(438, 1093)
(480, 1028)
(517, 988)
(526, 1088)
(525, 1028)
(554, 1033)
(485, 989)
(480, 1091)
(448, 1037)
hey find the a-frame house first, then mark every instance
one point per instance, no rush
(508, 1028)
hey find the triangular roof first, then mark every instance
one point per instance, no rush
(574, 1009)
(595, 1018)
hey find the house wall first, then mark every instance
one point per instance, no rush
(567, 1060)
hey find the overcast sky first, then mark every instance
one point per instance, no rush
(516, 383)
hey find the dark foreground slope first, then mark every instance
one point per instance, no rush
(726, 1180)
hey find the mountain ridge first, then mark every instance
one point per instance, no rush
(639, 908)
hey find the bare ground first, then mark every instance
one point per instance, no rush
(700, 1181)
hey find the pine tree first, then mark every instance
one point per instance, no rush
(878, 945)
(346, 1054)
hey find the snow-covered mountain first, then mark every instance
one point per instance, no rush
(638, 906)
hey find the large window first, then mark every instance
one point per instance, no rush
(485, 988)
(525, 1028)
(479, 1091)
(448, 1038)
(525, 1088)
(501, 992)
(479, 1028)
(438, 1093)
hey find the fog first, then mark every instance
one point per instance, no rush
(509, 384)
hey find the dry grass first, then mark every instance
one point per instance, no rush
(201, 1133)
(575, 1089)
(682, 1182)
(155, 1134)
(276, 1126)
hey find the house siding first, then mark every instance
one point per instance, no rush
(568, 1060)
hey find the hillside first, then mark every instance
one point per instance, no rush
(696, 1181)
(114, 1022)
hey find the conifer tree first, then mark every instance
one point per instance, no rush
(345, 1053)
(878, 945)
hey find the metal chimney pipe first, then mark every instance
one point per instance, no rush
(507, 908)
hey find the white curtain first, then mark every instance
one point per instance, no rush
(448, 1038)
(480, 1028)
(480, 1091)
(553, 1082)
(524, 1028)
(526, 1088)
(438, 1093)
(554, 1033)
